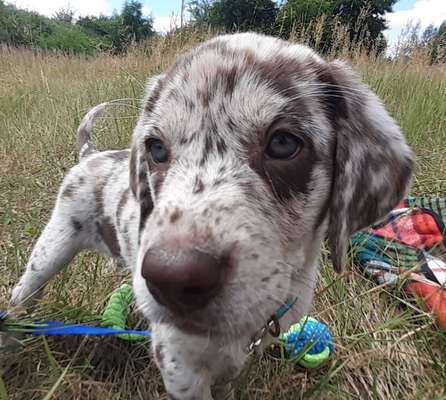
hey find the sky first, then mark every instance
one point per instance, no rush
(166, 12)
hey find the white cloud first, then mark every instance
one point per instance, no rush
(81, 7)
(165, 24)
(424, 11)
(146, 11)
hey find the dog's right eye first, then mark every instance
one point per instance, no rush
(158, 151)
(283, 146)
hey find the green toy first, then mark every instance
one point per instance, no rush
(116, 311)
(308, 342)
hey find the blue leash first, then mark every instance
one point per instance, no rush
(59, 328)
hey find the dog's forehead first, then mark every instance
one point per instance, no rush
(240, 83)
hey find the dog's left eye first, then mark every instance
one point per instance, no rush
(283, 145)
(158, 151)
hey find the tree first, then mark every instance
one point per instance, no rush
(363, 19)
(115, 33)
(137, 26)
(64, 15)
(434, 39)
(110, 32)
(235, 15)
(429, 34)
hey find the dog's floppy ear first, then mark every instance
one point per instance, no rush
(139, 184)
(373, 164)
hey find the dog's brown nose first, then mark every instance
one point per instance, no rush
(183, 280)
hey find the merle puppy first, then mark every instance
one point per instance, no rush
(248, 152)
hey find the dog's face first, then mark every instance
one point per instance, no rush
(248, 152)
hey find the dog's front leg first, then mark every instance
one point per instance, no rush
(178, 358)
(58, 244)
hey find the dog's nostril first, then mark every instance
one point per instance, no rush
(192, 291)
(183, 279)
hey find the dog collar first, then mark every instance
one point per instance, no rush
(272, 326)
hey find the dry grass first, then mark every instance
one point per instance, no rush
(387, 347)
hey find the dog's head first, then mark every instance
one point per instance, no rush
(248, 152)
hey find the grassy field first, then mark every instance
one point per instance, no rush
(387, 346)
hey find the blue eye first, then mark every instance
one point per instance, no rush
(283, 145)
(158, 151)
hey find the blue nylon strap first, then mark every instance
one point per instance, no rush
(58, 328)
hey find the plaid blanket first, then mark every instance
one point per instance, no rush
(411, 241)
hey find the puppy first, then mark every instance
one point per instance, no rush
(248, 152)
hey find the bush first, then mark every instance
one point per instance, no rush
(68, 39)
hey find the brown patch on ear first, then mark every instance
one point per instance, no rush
(373, 164)
(154, 90)
(333, 96)
(138, 169)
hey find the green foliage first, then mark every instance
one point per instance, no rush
(64, 15)
(21, 28)
(235, 15)
(87, 36)
(434, 40)
(68, 39)
(364, 20)
(109, 31)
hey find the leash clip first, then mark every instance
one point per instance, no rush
(272, 327)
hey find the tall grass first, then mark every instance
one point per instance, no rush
(387, 346)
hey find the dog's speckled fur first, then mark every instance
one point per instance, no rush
(215, 110)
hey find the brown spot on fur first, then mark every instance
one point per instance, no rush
(221, 146)
(69, 190)
(122, 202)
(76, 224)
(175, 216)
(132, 169)
(121, 155)
(218, 182)
(99, 198)
(154, 96)
(198, 186)
(107, 231)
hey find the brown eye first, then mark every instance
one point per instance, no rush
(283, 146)
(158, 151)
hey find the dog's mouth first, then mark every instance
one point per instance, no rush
(217, 321)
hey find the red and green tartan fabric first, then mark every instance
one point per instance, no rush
(413, 237)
